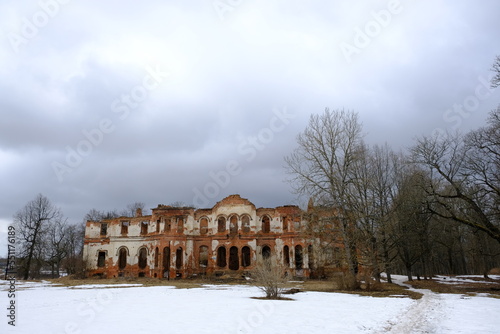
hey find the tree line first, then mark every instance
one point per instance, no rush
(434, 208)
(48, 244)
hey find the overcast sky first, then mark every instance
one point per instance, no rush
(109, 103)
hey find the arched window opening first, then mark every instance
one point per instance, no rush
(245, 256)
(266, 252)
(266, 224)
(286, 256)
(122, 258)
(101, 259)
(234, 261)
(204, 226)
(124, 227)
(104, 229)
(298, 257)
(168, 225)
(233, 225)
(221, 257)
(245, 224)
(203, 261)
(178, 258)
(144, 227)
(180, 225)
(221, 224)
(285, 223)
(143, 258)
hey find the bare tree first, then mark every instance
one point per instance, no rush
(410, 228)
(56, 245)
(495, 81)
(371, 194)
(73, 263)
(132, 208)
(32, 222)
(94, 215)
(465, 176)
(322, 164)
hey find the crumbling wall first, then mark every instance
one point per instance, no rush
(184, 242)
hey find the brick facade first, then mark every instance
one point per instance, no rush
(228, 239)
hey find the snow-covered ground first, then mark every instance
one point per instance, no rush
(45, 308)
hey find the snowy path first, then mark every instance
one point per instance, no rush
(422, 317)
(446, 313)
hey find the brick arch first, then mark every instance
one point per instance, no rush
(245, 222)
(145, 247)
(221, 256)
(142, 257)
(246, 256)
(203, 221)
(233, 224)
(120, 248)
(266, 223)
(123, 254)
(299, 256)
(266, 251)
(221, 226)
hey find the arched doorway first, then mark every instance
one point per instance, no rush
(143, 258)
(299, 261)
(221, 257)
(178, 258)
(266, 252)
(122, 258)
(286, 256)
(234, 261)
(245, 256)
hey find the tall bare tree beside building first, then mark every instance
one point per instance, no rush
(32, 222)
(55, 243)
(371, 197)
(322, 164)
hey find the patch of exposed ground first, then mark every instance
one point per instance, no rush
(454, 284)
(376, 289)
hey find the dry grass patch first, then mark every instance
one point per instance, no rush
(180, 284)
(492, 287)
(377, 290)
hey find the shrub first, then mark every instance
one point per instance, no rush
(270, 278)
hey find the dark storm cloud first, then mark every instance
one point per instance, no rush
(161, 97)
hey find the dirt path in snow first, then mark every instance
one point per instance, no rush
(421, 317)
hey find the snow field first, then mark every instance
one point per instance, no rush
(224, 309)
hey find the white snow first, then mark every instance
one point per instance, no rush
(221, 309)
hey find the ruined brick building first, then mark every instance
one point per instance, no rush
(228, 239)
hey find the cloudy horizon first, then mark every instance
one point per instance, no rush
(106, 104)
